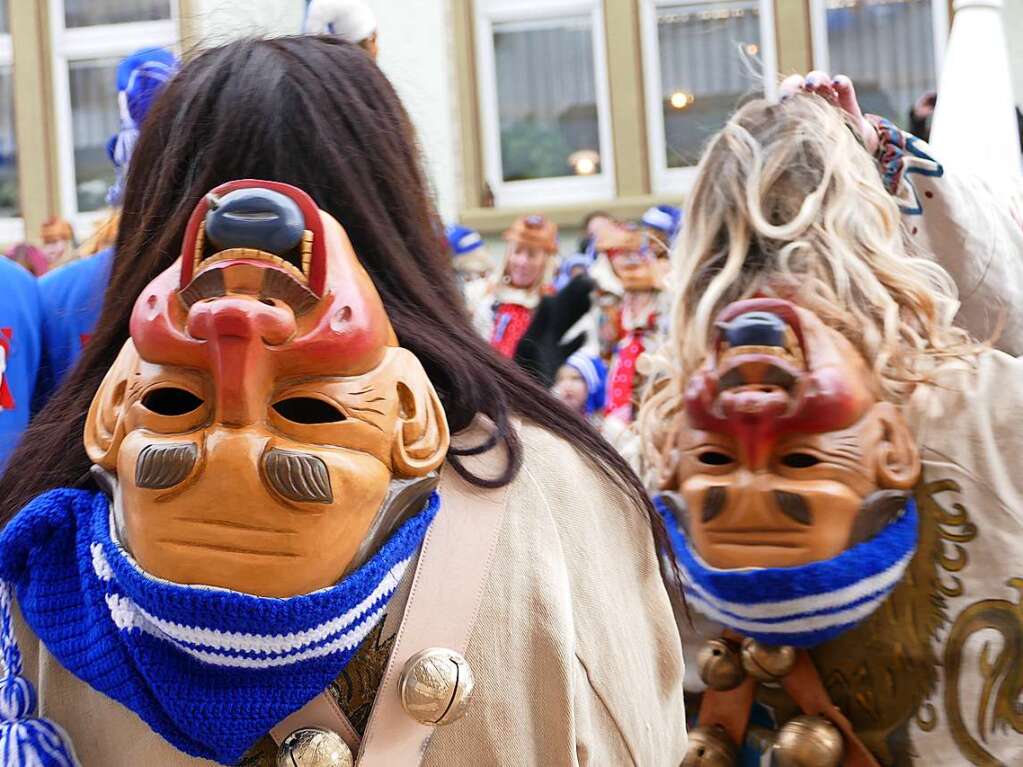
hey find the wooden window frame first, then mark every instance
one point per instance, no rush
(581, 189)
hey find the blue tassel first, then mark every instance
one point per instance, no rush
(25, 741)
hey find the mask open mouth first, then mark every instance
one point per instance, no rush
(253, 228)
(759, 345)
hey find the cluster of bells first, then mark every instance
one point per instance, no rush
(434, 687)
(805, 741)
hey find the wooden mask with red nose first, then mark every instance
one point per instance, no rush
(262, 416)
(787, 453)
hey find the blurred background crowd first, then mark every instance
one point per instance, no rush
(561, 139)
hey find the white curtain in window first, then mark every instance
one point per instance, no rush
(94, 119)
(546, 92)
(709, 57)
(87, 13)
(887, 48)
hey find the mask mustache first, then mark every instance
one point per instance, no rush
(163, 466)
(714, 502)
(794, 507)
(298, 476)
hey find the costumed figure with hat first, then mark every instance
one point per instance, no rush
(626, 252)
(844, 494)
(507, 308)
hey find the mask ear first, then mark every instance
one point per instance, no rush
(898, 460)
(421, 436)
(104, 425)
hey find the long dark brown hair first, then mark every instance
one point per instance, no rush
(316, 113)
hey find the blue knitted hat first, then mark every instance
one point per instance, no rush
(666, 219)
(463, 240)
(594, 373)
(140, 79)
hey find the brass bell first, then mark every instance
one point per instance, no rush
(314, 747)
(710, 747)
(808, 741)
(766, 663)
(720, 665)
(435, 686)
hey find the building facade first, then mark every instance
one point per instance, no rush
(560, 105)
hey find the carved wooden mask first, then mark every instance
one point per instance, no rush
(632, 258)
(787, 454)
(262, 410)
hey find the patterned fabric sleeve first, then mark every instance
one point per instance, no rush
(971, 228)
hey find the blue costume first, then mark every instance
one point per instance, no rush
(19, 352)
(71, 297)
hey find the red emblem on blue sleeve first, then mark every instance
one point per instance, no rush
(6, 398)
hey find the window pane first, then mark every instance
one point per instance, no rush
(85, 13)
(94, 119)
(5, 27)
(8, 148)
(708, 56)
(887, 48)
(547, 99)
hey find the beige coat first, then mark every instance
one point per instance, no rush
(575, 651)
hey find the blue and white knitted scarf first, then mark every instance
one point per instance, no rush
(802, 606)
(210, 670)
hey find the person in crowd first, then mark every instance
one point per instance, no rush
(580, 383)
(471, 261)
(58, 241)
(636, 267)
(505, 311)
(348, 20)
(841, 481)
(20, 350)
(29, 257)
(591, 226)
(72, 295)
(662, 224)
(295, 364)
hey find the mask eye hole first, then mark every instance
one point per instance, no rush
(714, 458)
(171, 401)
(308, 410)
(800, 460)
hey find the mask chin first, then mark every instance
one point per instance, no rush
(108, 484)
(405, 498)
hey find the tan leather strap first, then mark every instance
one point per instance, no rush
(804, 686)
(442, 605)
(324, 712)
(728, 709)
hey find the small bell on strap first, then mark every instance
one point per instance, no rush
(808, 741)
(24, 739)
(710, 747)
(720, 666)
(767, 663)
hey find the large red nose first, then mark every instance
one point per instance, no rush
(273, 323)
(238, 330)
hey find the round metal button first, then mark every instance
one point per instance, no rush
(435, 686)
(314, 747)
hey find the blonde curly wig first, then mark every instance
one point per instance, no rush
(788, 203)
